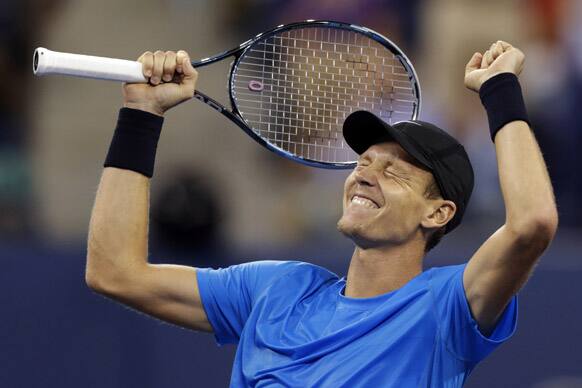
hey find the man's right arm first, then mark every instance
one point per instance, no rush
(117, 252)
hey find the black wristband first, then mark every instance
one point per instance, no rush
(502, 98)
(135, 141)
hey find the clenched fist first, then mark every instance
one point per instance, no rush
(500, 58)
(172, 80)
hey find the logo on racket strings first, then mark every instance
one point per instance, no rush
(256, 86)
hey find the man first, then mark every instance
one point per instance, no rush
(388, 324)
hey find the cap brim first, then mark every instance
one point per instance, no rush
(363, 129)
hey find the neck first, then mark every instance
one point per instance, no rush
(376, 271)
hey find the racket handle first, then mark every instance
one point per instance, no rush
(86, 66)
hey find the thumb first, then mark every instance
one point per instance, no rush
(189, 72)
(190, 75)
(504, 45)
(474, 63)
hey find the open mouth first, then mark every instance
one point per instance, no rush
(364, 202)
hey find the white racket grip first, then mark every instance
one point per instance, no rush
(86, 66)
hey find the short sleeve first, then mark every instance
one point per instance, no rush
(228, 294)
(458, 329)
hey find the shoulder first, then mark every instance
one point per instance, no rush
(261, 273)
(291, 268)
(444, 272)
(298, 276)
(441, 277)
(281, 266)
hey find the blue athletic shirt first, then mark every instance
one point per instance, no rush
(295, 328)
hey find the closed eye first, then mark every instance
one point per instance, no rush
(400, 177)
(390, 171)
(363, 163)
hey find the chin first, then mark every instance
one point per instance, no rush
(356, 232)
(346, 226)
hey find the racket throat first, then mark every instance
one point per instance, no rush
(208, 101)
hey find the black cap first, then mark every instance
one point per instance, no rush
(434, 148)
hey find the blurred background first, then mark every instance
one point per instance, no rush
(219, 199)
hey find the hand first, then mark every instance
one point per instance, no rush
(500, 58)
(172, 80)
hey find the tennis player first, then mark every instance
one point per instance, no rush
(388, 323)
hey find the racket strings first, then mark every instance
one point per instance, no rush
(295, 89)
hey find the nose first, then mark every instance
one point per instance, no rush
(366, 176)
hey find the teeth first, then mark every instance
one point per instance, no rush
(364, 202)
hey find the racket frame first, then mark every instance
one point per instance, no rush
(239, 52)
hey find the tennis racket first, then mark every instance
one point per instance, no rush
(291, 87)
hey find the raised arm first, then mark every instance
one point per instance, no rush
(502, 265)
(117, 252)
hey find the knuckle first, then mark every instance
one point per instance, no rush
(145, 56)
(182, 54)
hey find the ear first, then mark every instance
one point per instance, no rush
(439, 213)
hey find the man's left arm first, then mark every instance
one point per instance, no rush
(502, 265)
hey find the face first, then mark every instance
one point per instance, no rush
(384, 201)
